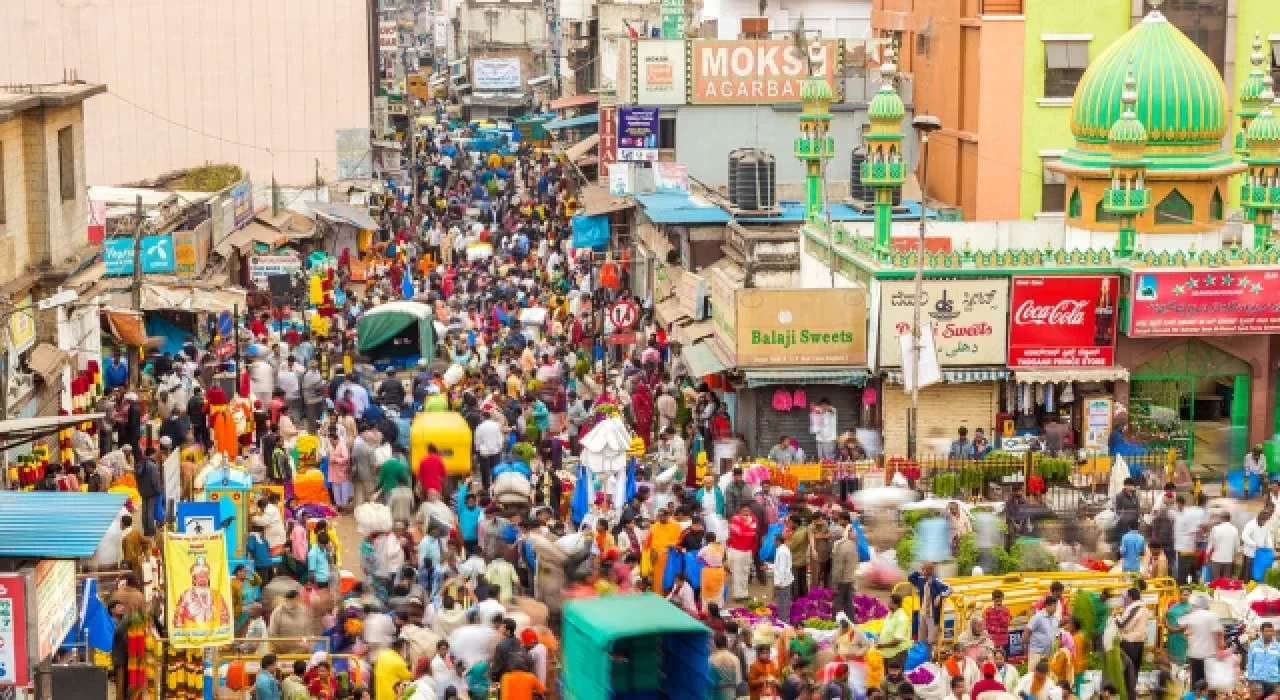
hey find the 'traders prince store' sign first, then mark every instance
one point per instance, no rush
(801, 327)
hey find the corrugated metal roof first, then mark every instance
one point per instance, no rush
(55, 525)
(676, 208)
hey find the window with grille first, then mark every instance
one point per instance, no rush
(1064, 65)
(667, 132)
(1053, 191)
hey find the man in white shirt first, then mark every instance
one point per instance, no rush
(672, 450)
(488, 441)
(782, 578)
(1186, 533)
(1204, 635)
(1224, 540)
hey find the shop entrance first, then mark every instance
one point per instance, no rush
(1194, 398)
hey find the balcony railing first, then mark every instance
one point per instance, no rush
(815, 148)
(883, 174)
(1126, 202)
(1258, 197)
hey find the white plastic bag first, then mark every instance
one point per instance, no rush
(1220, 674)
(1106, 519)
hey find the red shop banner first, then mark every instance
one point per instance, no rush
(1205, 302)
(1058, 322)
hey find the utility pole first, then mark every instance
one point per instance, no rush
(924, 126)
(135, 351)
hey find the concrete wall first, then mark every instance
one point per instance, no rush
(836, 19)
(706, 134)
(261, 84)
(1046, 123)
(999, 119)
(13, 244)
(65, 231)
(515, 23)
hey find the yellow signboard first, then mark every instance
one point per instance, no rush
(799, 327)
(199, 590)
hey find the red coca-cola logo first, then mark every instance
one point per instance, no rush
(1067, 312)
(976, 330)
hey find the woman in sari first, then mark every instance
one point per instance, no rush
(1177, 640)
(712, 557)
(975, 639)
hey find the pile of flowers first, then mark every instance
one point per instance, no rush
(921, 675)
(1226, 584)
(1266, 608)
(756, 611)
(1096, 565)
(817, 603)
(910, 470)
(867, 608)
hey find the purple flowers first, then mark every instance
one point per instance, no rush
(867, 608)
(920, 676)
(818, 604)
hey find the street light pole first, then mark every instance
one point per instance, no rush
(924, 125)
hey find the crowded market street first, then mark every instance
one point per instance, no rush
(525, 402)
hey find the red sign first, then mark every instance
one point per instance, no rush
(1062, 322)
(932, 244)
(1205, 302)
(624, 314)
(608, 138)
(621, 339)
(14, 664)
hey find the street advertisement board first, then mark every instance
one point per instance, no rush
(1063, 321)
(671, 177)
(242, 195)
(810, 327)
(1238, 301)
(747, 71)
(495, 73)
(157, 255)
(15, 666)
(638, 134)
(191, 249)
(55, 583)
(608, 130)
(970, 320)
(263, 266)
(657, 72)
(198, 590)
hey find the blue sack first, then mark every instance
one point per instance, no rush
(1262, 560)
(769, 547)
(917, 655)
(864, 549)
(675, 563)
(693, 570)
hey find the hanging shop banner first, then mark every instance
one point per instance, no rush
(794, 327)
(1205, 302)
(191, 249)
(608, 137)
(638, 134)
(657, 72)
(1062, 322)
(15, 667)
(157, 255)
(22, 327)
(495, 73)
(55, 584)
(263, 266)
(761, 72)
(242, 195)
(198, 589)
(969, 317)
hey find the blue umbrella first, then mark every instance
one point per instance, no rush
(581, 495)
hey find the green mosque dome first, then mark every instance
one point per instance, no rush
(886, 106)
(1181, 98)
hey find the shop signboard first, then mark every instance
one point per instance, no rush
(1238, 301)
(801, 327)
(724, 310)
(1098, 411)
(657, 72)
(969, 317)
(388, 36)
(671, 177)
(1062, 321)
(191, 249)
(263, 266)
(608, 136)
(22, 326)
(495, 73)
(911, 244)
(15, 666)
(55, 583)
(157, 255)
(242, 195)
(747, 71)
(638, 134)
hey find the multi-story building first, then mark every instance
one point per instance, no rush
(44, 241)
(1001, 75)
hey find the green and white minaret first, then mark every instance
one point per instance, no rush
(1260, 194)
(1128, 196)
(815, 146)
(1251, 99)
(884, 170)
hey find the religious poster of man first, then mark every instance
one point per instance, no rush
(199, 590)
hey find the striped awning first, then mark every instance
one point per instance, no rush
(702, 360)
(843, 376)
(968, 375)
(1071, 374)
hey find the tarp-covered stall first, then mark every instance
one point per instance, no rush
(397, 334)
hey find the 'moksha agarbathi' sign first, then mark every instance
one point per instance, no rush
(801, 327)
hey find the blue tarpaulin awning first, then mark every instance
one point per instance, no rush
(679, 208)
(54, 524)
(571, 122)
(591, 232)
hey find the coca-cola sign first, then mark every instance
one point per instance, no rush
(1063, 322)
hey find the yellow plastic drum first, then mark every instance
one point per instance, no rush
(451, 435)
